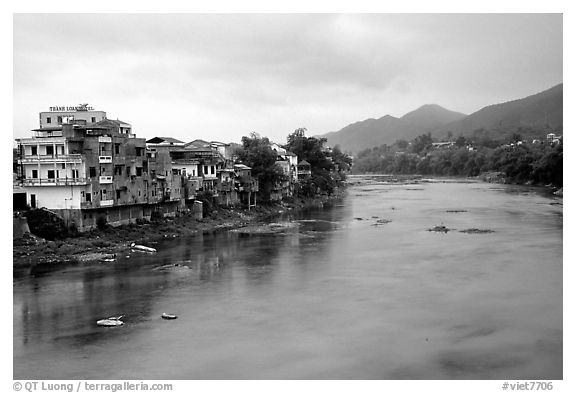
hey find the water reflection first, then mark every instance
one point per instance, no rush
(331, 296)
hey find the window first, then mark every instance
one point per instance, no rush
(34, 174)
(212, 169)
(51, 174)
(88, 197)
(59, 118)
(118, 194)
(49, 150)
(93, 119)
(116, 148)
(48, 120)
(34, 151)
(63, 166)
(75, 174)
(138, 171)
(118, 170)
(92, 171)
(139, 151)
(205, 169)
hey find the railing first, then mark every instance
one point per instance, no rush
(105, 179)
(104, 139)
(248, 185)
(105, 159)
(47, 134)
(105, 203)
(54, 182)
(60, 158)
(225, 186)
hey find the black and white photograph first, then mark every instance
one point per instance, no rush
(287, 197)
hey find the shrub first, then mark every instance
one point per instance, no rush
(101, 222)
(46, 224)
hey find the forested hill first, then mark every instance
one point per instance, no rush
(529, 117)
(388, 129)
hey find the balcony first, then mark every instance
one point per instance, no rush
(105, 139)
(59, 159)
(105, 179)
(105, 159)
(106, 203)
(79, 181)
(248, 185)
(225, 186)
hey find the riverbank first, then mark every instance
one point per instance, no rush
(108, 244)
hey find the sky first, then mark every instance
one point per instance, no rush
(222, 76)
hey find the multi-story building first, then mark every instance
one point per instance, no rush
(85, 171)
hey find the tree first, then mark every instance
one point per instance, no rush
(324, 178)
(341, 160)
(257, 154)
(422, 143)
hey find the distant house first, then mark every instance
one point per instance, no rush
(304, 169)
(553, 138)
(443, 145)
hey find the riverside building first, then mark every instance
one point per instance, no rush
(85, 168)
(91, 170)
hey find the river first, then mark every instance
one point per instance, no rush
(336, 295)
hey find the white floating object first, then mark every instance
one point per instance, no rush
(111, 321)
(142, 248)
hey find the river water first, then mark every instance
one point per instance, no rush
(337, 295)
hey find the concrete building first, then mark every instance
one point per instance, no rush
(86, 171)
(81, 115)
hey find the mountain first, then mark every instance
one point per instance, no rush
(388, 129)
(532, 115)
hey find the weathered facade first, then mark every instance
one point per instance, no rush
(87, 172)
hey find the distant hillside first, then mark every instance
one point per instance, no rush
(533, 115)
(388, 129)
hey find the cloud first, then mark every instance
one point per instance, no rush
(275, 71)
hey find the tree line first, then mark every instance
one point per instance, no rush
(520, 161)
(328, 166)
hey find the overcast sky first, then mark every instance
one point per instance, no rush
(219, 77)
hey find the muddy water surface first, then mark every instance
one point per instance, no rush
(361, 290)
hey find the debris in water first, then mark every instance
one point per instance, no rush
(476, 230)
(439, 228)
(456, 211)
(381, 221)
(169, 316)
(142, 248)
(110, 321)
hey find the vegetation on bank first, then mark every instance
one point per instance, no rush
(521, 161)
(328, 166)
